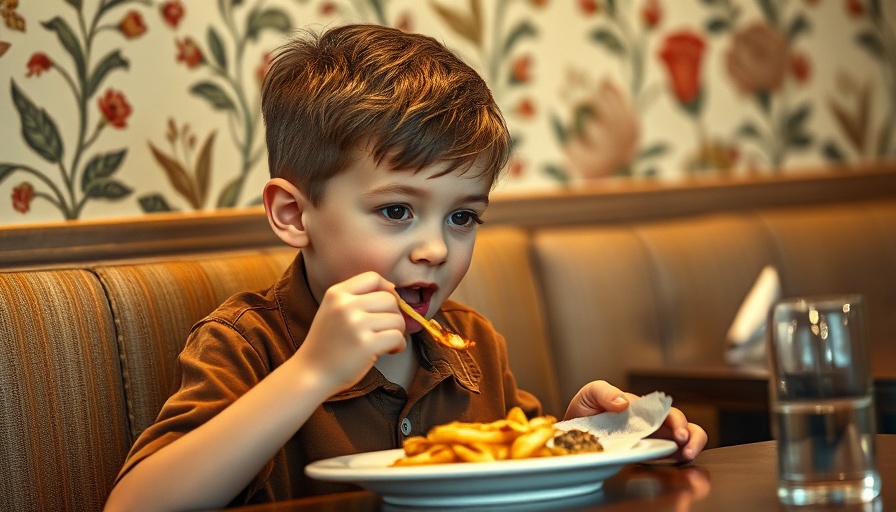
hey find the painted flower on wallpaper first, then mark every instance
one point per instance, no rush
(854, 102)
(37, 64)
(761, 61)
(758, 58)
(115, 108)
(189, 53)
(189, 176)
(682, 52)
(132, 25)
(505, 69)
(172, 12)
(623, 38)
(22, 195)
(224, 89)
(605, 136)
(85, 173)
(651, 13)
(11, 18)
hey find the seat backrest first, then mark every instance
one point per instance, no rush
(502, 285)
(63, 425)
(156, 304)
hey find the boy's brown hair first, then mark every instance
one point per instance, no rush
(409, 97)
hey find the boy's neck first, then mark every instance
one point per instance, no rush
(399, 368)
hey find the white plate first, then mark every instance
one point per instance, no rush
(483, 483)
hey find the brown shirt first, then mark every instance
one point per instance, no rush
(253, 333)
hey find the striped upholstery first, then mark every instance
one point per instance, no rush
(151, 332)
(63, 426)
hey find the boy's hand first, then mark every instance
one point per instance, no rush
(600, 396)
(358, 321)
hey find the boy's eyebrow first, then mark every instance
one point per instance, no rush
(398, 188)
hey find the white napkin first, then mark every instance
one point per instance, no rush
(622, 430)
(746, 336)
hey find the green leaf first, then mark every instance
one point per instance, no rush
(154, 203)
(832, 153)
(799, 140)
(524, 29)
(870, 42)
(107, 189)
(74, 3)
(110, 62)
(748, 129)
(230, 194)
(69, 42)
(658, 149)
(557, 173)
(177, 176)
(609, 40)
(109, 5)
(559, 130)
(38, 127)
(100, 167)
(717, 26)
(797, 26)
(216, 48)
(770, 10)
(797, 119)
(764, 98)
(214, 94)
(6, 170)
(204, 168)
(273, 19)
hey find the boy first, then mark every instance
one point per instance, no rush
(383, 148)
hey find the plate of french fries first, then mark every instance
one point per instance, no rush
(511, 460)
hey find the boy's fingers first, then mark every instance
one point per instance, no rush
(597, 397)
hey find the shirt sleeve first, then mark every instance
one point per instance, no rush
(216, 367)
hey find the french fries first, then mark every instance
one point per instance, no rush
(514, 437)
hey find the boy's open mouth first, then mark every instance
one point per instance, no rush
(417, 297)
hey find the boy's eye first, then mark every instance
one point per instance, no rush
(396, 212)
(465, 218)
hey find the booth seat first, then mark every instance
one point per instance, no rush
(89, 351)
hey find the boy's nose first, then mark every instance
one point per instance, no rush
(430, 249)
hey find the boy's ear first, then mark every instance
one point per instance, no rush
(284, 205)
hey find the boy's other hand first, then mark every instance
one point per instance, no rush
(358, 321)
(600, 396)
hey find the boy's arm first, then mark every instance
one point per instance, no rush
(357, 321)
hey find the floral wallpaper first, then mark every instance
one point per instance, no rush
(121, 108)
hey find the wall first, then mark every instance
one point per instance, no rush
(119, 108)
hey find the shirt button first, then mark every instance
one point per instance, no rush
(406, 426)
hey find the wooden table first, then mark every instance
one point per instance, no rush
(740, 478)
(740, 397)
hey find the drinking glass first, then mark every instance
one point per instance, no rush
(822, 401)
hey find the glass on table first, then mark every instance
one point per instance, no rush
(822, 401)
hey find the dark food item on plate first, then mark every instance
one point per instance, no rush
(578, 441)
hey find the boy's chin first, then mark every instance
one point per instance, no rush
(411, 326)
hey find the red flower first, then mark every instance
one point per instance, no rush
(38, 63)
(526, 108)
(132, 25)
(589, 6)
(22, 196)
(189, 53)
(800, 67)
(262, 70)
(521, 67)
(651, 13)
(115, 108)
(855, 8)
(328, 9)
(172, 12)
(683, 52)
